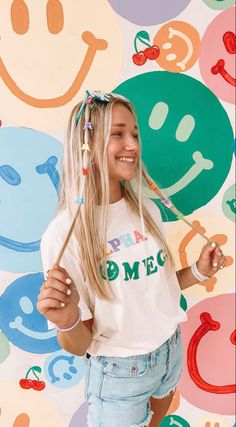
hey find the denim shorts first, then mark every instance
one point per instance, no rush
(118, 389)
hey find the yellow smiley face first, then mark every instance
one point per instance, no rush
(50, 52)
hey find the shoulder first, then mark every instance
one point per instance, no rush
(57, 228)
(153, 209)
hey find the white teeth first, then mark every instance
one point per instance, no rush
(126, 159)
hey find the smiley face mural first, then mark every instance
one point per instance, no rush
(67, 47)
(29, 184)
(20, 320)
(208, 379)
(217, 58)
(149, 12)
(179, 44)
(219, 4)
(187, 138)
(26, 408)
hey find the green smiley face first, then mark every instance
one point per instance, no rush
(110, 272)
(187, 138)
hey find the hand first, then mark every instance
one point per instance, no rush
(58, 298)
(211, 260)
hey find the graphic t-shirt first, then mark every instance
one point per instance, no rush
(146, 309)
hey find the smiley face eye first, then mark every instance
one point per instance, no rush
(19, 17)
(55, 16)
(10, 175)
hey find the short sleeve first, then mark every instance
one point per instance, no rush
(51, 243)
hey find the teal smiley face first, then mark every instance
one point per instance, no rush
(187, 138)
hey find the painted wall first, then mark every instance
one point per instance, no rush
(183, 90)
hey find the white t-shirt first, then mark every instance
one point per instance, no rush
(147, 308)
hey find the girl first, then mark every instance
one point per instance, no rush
(115, 295)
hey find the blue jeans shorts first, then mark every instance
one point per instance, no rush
(118, 389)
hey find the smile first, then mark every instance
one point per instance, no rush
(208, 324)
(126, 159)
(219, 69)
(94, 45)
(19, 246)
(17, 324)
(200, 164)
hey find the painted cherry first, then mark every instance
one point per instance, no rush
(139, 58)
(26, 383)
(38, 385)
(152, 52)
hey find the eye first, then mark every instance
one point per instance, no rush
(10, 175)
(136, 136)
(49, 167)
(116, 134)
(55, 16)
(19, 17)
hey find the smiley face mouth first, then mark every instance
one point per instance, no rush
(19, 246)
(208, 324)
(219, 68)
(17, 324)
(94, 45)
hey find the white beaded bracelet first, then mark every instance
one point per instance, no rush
(72, 326)
(199, 276)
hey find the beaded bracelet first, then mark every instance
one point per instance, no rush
(199, 276)
(72, 326)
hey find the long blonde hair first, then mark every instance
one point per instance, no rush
(91, 225)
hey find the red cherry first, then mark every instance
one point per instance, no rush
(139, 58)
(24, 383)
(38, 385)
(152, 52)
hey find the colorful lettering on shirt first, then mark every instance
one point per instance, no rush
(131, 271)
(125, 240)
(115, 243)
(139, 237)
(111, 270)
(150, 267)
(161, 257)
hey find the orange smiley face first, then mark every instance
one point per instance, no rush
(60, 49)
(179, 44)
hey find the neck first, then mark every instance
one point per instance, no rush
(115, 193)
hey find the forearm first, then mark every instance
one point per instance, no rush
(186, 278)
(77, 340)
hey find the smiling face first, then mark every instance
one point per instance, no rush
(123, 147)
(60, 49)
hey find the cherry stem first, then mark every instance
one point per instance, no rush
(27, 374)
(141, 40)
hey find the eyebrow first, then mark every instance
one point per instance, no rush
(122, 125)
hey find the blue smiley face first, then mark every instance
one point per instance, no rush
(29, 183)
(64, 370)
(19, 319)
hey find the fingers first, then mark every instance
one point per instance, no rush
(53, 293)
(218, 260)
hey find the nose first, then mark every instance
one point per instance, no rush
(131, 143)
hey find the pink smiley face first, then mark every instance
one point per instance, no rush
(208, 380)
(217, 58)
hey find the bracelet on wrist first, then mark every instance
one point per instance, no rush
(196, 273)
(71, 326)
